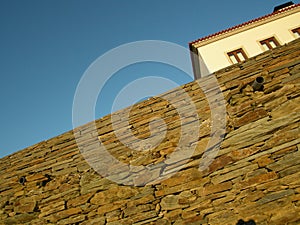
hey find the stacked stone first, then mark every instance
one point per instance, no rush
(254, 176)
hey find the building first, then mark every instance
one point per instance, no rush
(245, 40)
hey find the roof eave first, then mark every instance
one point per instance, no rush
(245, 26)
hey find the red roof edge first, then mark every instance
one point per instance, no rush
(244, 24)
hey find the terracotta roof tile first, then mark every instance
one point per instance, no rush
(245, 24)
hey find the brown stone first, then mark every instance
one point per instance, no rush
(129, 211)
(80, 200)
(223, 200)
(194, 220)
(264, 161)
(185, 186)
(212, 189)
(233, 174)
(67, 213)
(171, 202)
(95, 221)
(219, 163)
(187, 197)
(20, 219)
(72, 220)
(289, 171)
(285, 162)
(25, 205)
(34, 177)
(274, 196)
(109, 207)
(173, 215)
(181, 177)
(262, 178)
(249, 117)
(52, 208)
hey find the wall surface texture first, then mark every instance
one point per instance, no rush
(255, 175)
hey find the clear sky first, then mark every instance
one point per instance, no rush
(47, 45)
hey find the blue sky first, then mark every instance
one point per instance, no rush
(46, 46)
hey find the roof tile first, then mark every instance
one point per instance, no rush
(245, 24)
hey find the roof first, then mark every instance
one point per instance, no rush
(245, 24)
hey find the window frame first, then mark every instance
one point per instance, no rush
(296, 32)
(235, 53)
(268, 44)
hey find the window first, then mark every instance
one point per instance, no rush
(237, 56)
(296, 32)
(269, 43)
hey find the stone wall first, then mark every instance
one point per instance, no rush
(254, 176)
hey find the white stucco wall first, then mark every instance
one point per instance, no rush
(215, 56)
